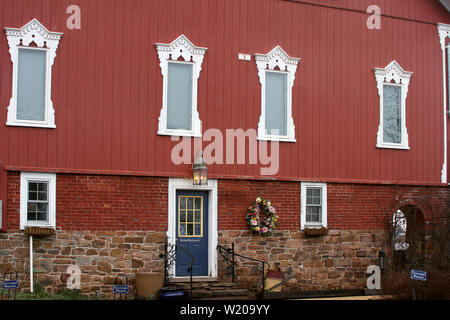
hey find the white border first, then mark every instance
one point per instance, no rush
(34, 176)
(444, 32)
(180, 47)
(212, 187)
(305, 185)
(277, 57)
(35, 32)
(393, 71)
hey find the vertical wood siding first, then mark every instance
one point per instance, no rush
(107, 85)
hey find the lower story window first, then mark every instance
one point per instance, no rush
(37, 199)
(313, 205)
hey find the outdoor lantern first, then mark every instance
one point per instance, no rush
(382, 257)
(200, 170)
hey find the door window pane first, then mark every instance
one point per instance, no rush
(276, 102)
(31, 76)
(190, 219)
(179, 96)
(392, 121)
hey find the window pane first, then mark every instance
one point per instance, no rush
(42, 216)
(190, 216)
(179, 96)
(31, 215)
(313, 214)
(31, 84)
(313, 196)
(190, 204)
(197, 216)
(197, 229)
(32, 195)
(276, 102)
(190, 230)
(392, 121)
(182, 229)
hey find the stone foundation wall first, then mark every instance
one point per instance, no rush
(337, 260)
(100, 255)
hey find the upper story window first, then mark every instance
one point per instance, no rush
(180, 64)
(276, 72)
(37, 199)
(33, 51)
(313, 205)
(392, 84)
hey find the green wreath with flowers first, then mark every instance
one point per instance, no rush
(262, 217)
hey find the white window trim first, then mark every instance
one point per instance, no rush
(304, 186)
(268, 62)
(186, 184)
(35, 32)
(444, 32)
(395, 72)
(34, 176)
(180, 47)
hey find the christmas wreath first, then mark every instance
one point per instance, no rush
(261, 217)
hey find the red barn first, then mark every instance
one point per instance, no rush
(334, 111)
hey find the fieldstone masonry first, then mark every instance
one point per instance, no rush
(101, 256)
(336, 260)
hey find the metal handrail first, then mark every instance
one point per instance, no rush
(221, 249)
(169, 256)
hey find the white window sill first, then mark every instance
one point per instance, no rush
(30, 125)
(38, 225)
(393, 146)
(314, 226)
(277, 138)
(179, 133)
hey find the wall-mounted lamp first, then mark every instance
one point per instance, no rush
(200, 170)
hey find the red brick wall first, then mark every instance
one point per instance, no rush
(235, 196)
(88, 202)
(350, 206)
(98, 202)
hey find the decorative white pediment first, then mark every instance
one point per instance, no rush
(384, 76)
(180, 47)
(277, 57)
(32, 33)
(276, 60)
(392, 72)
(35, 32)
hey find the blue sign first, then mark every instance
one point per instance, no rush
(121, 289)
(10, 284)
(418, 275)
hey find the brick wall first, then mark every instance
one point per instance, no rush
(96, 202)
(350, 206)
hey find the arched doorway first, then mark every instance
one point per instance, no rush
(408, 238)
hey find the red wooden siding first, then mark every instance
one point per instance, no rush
(107, 85)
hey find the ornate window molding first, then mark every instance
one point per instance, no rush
(276, 60)
(444, 32)
(170, 53)
(393, 75)
(32, 32)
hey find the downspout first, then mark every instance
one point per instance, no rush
(31, 263)
(444, 32)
